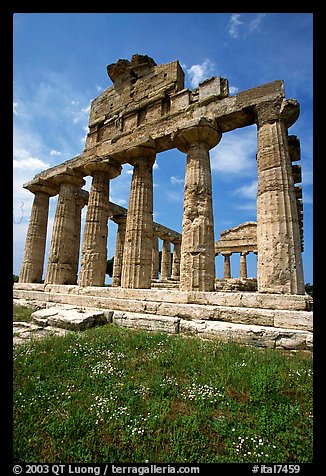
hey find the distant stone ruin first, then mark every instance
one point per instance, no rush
(147, 110)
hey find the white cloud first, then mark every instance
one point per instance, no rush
(254, 25)
(15, 107)
(176, 180)
(247, 191)
(234, 25)
(30, 163)
(199, 72)
(98, 88)
(233, 90)
(174, 196)
(237, 26)
(81, 115)
(55, 152)
(235, 154)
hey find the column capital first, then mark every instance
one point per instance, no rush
(203, 132)
(69, 176)
(81, 197)
(286, 110)
(141, 155)
(105, 165)
(43, 186)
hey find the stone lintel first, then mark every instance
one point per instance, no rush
(236, 248)
(229, 113)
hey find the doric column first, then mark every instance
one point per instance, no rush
(155, 257)
(197, 267)
(61, 268)
(227, 265)
(118, 253)
(81, 199)
(243, 264)
(94, 246)
(137, 254)
(166, 261)
(176, 261)
(279, 267)
(33, 260)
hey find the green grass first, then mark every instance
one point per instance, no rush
(112, 394)
(22, 314)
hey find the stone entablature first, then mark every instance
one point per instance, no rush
(238, 239)
(146, 111)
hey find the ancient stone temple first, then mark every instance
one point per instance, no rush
(147, 110)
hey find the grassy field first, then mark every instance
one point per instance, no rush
(111, 394)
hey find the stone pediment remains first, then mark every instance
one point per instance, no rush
(238, 239)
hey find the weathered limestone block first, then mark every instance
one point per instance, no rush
(148, 322)
(212, 89)
(279, 266)
(33, 259)
(197, 267)
(260, 336)
(137, 253)
(94, 247)
(73, 319)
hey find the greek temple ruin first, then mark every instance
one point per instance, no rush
(147, 110)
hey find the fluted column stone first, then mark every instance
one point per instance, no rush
(94, 246)
(166, 261)
(197, 266)
(243, 264)
(33, 259)
(81, 199)
(227, 265)
(278, 233)
(176, 261)
(118, 253)
(155, 257)
(61, 268)
(137, 254)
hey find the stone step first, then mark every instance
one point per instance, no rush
(237, 299)
(233, 314)
(261, 336)
(79, 319)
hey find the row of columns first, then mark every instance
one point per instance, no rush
(243, 264)
(165, 269)
(278, 236)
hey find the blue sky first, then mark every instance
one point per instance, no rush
(60, 66)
